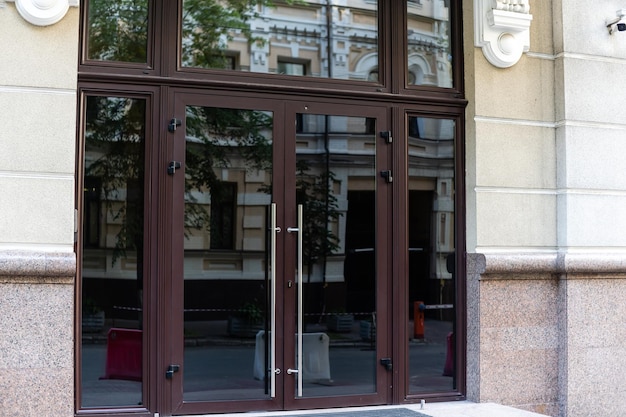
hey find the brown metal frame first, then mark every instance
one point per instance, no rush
(156, 80)
(401, 262)
(151, 336)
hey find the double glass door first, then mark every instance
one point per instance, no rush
(279, 296)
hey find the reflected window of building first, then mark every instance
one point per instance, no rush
(223, 199)
(429, 46)
(291, 68)
(91, 222)
(333, 37)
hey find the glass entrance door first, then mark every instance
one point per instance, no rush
(277, 296)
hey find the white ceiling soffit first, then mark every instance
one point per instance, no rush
(502, 30)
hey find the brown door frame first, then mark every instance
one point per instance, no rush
(400, 247)
(284, 159)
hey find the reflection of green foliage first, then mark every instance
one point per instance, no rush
(320, 208)
(115, 136)
(115, 132)
(118, 30)
(251, 312)
(216, 136)
(90, 307)
(208, 26)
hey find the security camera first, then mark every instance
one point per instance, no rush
(617, 23)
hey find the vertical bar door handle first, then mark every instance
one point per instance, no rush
(297, 371)
(275, 230)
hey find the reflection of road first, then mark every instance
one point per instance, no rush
(98, 392)
(426, 362)
(227, 372)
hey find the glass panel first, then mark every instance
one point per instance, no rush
(336, 184)
(118, 30)
(269, 36)
(429, 43)
(228, 190)
(112, 275)
(431, 255)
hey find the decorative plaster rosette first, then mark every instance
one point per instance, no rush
(43, 12)
(502, 30)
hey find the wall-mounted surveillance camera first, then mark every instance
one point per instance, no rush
(617, 23)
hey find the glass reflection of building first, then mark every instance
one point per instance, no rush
(229, 172)
(323, 39)
(220, 217)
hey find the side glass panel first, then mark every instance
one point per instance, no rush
(431, 255)
(429, 48)
(112, 260)
(330, 39)
(228, 191)
(117, 30)
(336, 185)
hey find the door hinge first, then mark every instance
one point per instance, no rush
(387, 175)
(174, 123)
(172, 167)
(171, 370)
(387, 136)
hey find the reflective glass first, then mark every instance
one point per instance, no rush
(118, 30)
(429, 50)
(329, 39)
(112, 256)
(431, 255)
(336, 186)
(228, 192)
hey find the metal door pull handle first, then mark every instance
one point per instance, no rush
(292, 371)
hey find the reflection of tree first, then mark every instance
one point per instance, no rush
(114, 133)
(320, 209)
(118, 30)
(216, 137)
(208, 26)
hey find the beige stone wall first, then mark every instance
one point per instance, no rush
(511, 144)
(511, 210)
(37, 263)
(546, 191)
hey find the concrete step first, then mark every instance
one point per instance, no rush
(450, 409)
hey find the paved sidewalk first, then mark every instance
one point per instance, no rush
(451, 409)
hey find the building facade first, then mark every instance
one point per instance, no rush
(213, 206)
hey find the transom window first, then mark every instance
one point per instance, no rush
(339, 40)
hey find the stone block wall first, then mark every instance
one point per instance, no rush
(37, 260)
(546, 191)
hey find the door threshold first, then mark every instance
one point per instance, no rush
(443, 409)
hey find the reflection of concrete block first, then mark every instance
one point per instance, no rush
(253, 244)
(315, 357)
(315, 360)
(253, 222)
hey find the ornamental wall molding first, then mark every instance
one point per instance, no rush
(43, 12)
(502, 30)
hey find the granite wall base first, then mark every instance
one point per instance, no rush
(37, 334)
(546, 333)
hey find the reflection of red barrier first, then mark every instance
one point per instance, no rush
(448, 369)
(418, 320)
(123, 355)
